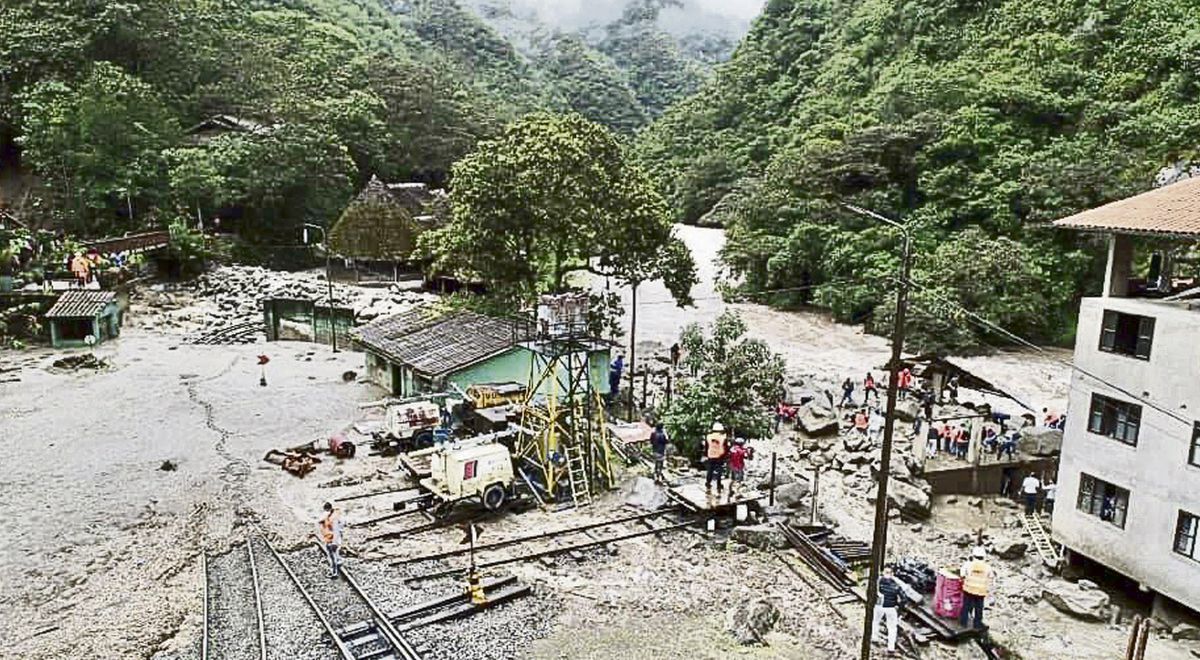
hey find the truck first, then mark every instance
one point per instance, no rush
(483, 471)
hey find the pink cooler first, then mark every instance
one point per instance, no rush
(947, 595)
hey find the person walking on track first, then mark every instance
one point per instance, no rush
(329, 528)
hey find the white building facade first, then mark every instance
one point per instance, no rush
(1129, 474)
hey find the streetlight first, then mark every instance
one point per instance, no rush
(328, 280)
(879, 540)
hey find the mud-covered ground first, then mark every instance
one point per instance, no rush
(101, 542)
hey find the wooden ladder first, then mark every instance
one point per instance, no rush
(577, 476)
(1041, 540)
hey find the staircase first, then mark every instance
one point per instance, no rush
(1041, 540)
(578, 478)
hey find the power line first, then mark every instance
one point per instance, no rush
(985, 323)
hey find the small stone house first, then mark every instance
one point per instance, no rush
(430, 349)
(79, 314)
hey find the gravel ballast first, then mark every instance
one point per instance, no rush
(292, 629)
(232, 615)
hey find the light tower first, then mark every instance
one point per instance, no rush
(564, 434)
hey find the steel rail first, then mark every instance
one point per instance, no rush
(204, 633)
(546, 553)
(337, 641)
(532, 537)
(258, 609)
(386, 628)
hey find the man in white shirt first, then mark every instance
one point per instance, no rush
(1029, 490)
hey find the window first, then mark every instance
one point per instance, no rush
(1103, 500)
(1185, 535)
(1127, 334)
(1116, 419)
(470, 469)
(1194, 454)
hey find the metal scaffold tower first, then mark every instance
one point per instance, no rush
(565, 440)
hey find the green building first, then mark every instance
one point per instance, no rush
(429, 349)
(79, 314)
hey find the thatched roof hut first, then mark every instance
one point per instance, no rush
(383, 222)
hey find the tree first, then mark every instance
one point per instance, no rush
(552, 195)
(737, 382)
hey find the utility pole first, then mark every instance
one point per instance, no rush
(328, 281)
(632, 346)
(879, 540)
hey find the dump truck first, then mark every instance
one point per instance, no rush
(482, 471)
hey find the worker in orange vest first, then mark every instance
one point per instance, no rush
(329, 529)
(976, 575)
(715, 451)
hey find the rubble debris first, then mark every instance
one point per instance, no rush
(1079, 602)
(817, 419)
(1041, 441)
(167, 466)
(750, 622)
(349, 376)
(911, 501)
(1185, 631)
(763, 537)
(80, 361)
(792, 495)
(1008, 548)
(645, 494)
(296, 463)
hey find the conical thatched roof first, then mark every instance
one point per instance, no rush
(375, 226)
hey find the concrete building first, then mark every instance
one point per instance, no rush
(1129, 476)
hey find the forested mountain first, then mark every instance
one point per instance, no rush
(974, 122)
(109, 105)
(619, 63)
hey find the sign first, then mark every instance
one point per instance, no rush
(262, 359)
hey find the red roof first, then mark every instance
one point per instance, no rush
(1172, 210)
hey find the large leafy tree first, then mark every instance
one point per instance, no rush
(737, 380)
(555, 194)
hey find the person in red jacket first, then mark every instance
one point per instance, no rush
(738, 454)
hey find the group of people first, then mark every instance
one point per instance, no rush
(976, 576)
(719, 453)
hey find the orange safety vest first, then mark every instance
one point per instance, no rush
(716, 445)
(977, 574)
(327, 528)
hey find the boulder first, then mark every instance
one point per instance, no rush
(750, 621)
(792, 495)
(1041, 441)
(645, 494)
(1008, 548)
(1086, 604)
(855, 441)
(817, 419)
(763, 537)
(908, 498)
(1185, 631)
(908, 409)
(781, 478)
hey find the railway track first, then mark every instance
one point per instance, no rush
(260, 605)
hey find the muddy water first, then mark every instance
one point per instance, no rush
(818, 350)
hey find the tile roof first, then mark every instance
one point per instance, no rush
(436, 341)
(1172, 210)
(75, 304)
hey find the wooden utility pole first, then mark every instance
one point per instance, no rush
(879, 540)
(632, 346)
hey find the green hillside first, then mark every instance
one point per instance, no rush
(975, 122)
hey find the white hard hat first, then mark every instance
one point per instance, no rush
(717, 426)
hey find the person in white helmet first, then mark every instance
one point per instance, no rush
(977, 576)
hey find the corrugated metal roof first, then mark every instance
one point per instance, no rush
(1172, 210)
(436, 341)
(77, 304)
